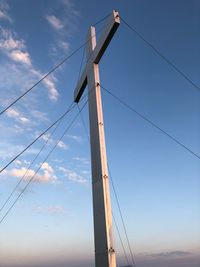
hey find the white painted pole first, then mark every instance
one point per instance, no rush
(103, 236)
(104, 248)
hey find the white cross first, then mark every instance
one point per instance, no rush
(104, 248)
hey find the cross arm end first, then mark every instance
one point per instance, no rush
(80, 87)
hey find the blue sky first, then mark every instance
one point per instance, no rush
(157, 181)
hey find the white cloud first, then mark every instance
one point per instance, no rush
(9, 43)
(73, 176)
(13, 113)
(20, 172)
(46, 175)
(55, 22)
(46, 137)
(18, 162)
(15, 49)
(24, 120)
(62, 145)
(52, 88)
(47, 167)
(20, 56)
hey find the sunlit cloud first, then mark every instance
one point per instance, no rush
(55, 22)
(47, 167)
(46, 174)
(19, 56)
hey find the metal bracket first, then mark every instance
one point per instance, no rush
(111, 250)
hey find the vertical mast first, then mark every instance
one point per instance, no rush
(104, 249)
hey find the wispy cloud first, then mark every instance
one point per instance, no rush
(46, 137)
(62, 25)
(170, 254)
(76, 138)
(82, 160)
(4, 8)
(13, 113)
(9, 41)
(57, 209)
(16, 50)
(62, 145)
(73, 176)
(55, 22)
(63, 45)
(39, 114)
(9, 150)
(20, 162)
